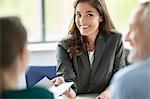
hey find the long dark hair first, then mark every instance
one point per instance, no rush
(13, 38)
(76, 42)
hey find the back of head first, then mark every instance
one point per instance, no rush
(13, 38)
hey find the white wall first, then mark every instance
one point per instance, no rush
(42, 58)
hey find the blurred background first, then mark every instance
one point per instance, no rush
(47, 21)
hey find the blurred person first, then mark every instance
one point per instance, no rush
(133, 82)
(13, 61)
(91, 52)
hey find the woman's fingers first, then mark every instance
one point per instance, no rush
(57, 81)
(103, 95)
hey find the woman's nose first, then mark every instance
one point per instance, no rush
(82, 20)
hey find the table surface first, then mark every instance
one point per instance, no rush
(84, 96)
(87, 96)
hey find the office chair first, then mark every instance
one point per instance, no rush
(36, 73)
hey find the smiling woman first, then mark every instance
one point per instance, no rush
(87, 20)
(92, 51)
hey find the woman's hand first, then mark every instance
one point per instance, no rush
(68, 94)
(57, 81)
(104, 95)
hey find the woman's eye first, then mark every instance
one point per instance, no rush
(89, 15)
(78, 15)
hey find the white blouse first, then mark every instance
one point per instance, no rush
(91, 57)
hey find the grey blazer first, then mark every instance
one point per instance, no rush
(108, 58)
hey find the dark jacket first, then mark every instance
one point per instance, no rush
(108, 58)
(29, 93)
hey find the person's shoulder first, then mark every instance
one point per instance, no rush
(132, 81)
(130, 72)
(39, 92)
(109, 35)
(115, 33)
(121, 78)
(113, 36)
(38, 89)
(34, 92)
(63, 44)
(122, 74)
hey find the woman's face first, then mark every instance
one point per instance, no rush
(87, 19)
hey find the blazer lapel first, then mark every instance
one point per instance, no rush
(85, 62)
(100, 47)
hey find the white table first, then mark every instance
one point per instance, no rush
(87, 96)
(84, 96)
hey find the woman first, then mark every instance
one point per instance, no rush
(13, 60)
(92, 52)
